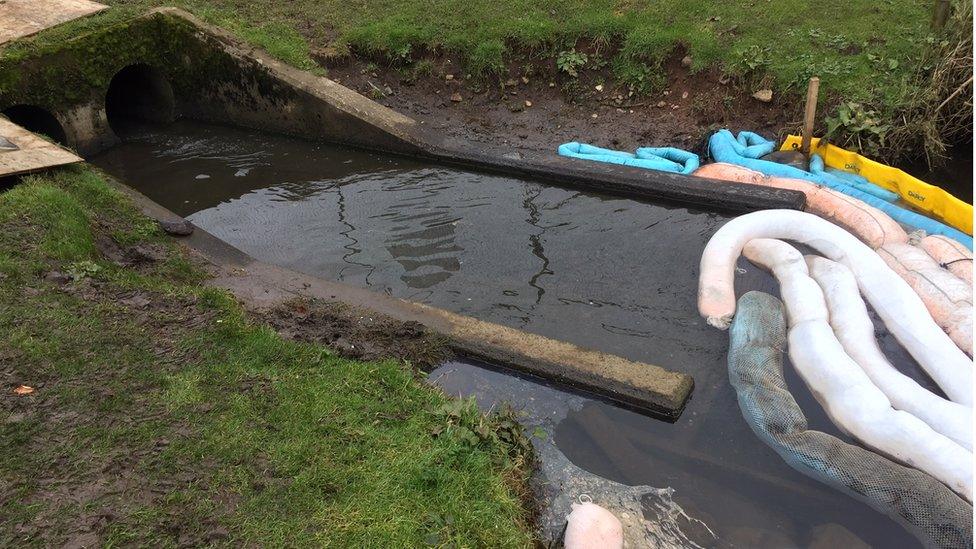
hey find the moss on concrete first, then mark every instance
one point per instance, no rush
(61, 75)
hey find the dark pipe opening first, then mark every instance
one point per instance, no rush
(139, 94)
(38, 121)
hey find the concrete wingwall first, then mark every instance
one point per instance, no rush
(211, 75)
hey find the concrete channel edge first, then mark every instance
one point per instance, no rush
(644, 387)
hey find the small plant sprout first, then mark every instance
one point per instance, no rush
(570, 62)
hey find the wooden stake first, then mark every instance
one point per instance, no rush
(940, 14)
(810, 116)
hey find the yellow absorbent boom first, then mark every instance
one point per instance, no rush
(926, 198)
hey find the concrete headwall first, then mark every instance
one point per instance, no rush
(213, 76)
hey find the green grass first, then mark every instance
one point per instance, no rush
(862, 49)
(874, 54)
(221, 431)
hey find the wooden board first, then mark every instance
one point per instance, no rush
(19, 18)
(32, 153)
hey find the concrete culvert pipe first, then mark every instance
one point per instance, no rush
(139, 93)
(895, 302)
(851, 400)
(37, 120)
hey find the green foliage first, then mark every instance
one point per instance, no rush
(461, 419)
(277, 37)
(570, 62)
(935, 109)
(834, 39)
(281, 41)
(871, 53)
(855, 124)
(63, 231)
(393, 37)
(881, 62)
(83, 269)
(751, 59)
(423, 68)
(487, 57)
(640, 77)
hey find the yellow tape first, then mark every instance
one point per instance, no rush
(926, 198)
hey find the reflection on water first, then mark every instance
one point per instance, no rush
(650, 515)
(610, 274)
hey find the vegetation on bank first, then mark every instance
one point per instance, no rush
(140, 407)
(859, 48)
(885, 74)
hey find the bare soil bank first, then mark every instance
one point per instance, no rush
(536, 107)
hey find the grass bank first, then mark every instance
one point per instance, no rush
(878, 61)
(157, 413)
(859, 48)
(883, 71)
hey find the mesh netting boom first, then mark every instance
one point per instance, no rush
(925, 506)
(852, 401)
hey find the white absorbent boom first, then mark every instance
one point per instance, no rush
(895, 302)
(846, 393)
(851, 324)
(940, 270)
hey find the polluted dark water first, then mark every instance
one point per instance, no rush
(610, 274)
(954, 174)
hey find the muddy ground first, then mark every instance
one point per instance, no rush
(535, 107)
(81, 496)
(357, 334)
(82, 492)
